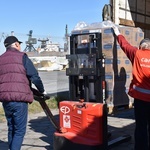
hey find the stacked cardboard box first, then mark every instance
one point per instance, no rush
(118, 68)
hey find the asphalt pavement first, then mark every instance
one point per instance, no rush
(39, 135)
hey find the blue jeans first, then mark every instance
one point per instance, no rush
(142, 130)
(16, 114)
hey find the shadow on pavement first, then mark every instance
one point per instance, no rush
(124, 125)
(45, 127)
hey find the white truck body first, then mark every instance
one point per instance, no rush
(134, 13)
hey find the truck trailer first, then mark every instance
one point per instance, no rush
(133, 13)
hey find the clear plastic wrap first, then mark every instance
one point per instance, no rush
(97, 25)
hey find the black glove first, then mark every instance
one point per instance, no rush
(39, 96)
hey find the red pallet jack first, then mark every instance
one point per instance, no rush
(83, 119)
(74, 132)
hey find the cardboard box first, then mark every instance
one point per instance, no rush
(118, 68)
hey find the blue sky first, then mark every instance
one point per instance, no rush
(46, 18)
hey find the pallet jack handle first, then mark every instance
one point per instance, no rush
(41, 98)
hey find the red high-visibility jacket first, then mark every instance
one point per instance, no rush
(140, 59)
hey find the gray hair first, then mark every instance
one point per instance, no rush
(145, 44)
(12, 45)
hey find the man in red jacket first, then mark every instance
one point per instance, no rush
(139, 87)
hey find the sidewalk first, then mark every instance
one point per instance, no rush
(121, 124)
(39, 135)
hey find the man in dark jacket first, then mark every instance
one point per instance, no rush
(17, 73)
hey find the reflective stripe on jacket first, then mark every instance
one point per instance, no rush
(141, 90)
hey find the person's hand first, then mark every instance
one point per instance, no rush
(116, 30)
(45, 96)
